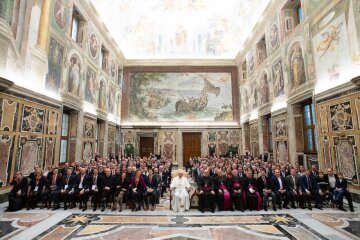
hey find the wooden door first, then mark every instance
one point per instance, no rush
(191, 146)
(146, 146)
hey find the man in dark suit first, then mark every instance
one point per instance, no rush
(310, 189)
(95, 188)
(80, 189)
(264, 186)
(314, 171)
(107, 189)
(55, 187)
(294, 188)
(68, 180)
(279, 192)
(152, 192)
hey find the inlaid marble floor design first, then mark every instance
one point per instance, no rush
(165, 224)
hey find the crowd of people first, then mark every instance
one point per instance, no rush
(244, 182)
(108, 182)
(234, 183)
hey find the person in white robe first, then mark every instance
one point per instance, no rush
(180, 188)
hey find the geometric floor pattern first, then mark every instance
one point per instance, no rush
(296, 224)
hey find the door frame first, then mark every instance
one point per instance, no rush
(181, 143)
(146, 134)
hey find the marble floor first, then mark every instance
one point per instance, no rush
(165, 224)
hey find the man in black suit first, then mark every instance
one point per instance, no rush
(279, 192)
(294, 188)
(80, 190)
(95, 189)
(68, 180)
(107, 189)
(152, 191)
(314, 171)
(310, 189)
(264, 186)
(55, 187)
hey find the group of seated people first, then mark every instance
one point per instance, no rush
(138, 183)
(247, 183)
(236, 183)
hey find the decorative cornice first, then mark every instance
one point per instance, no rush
(356, 81)
(5, 84)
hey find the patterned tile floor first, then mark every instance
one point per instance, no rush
(165, 224)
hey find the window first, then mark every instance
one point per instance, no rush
(75, 28)
(64, 137)
(104, 57)
(299, 14)
(309, 128)
(78, 26)
(270, 134)
(243, 70)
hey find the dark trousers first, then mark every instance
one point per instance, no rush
(81, 197)
(106, 196)
(238, 201)
(297, 197)
(65, 197)
(207, 201)
(281, 197)
(55, 195)
(33, 198)
(95, 197)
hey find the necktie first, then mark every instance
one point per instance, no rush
(308, 183)
(294, 181)
(264, 181)
(67, 179)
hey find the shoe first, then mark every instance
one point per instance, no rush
(72, 206)
(293, 206)
(84, 208)
(351, 209)
(342, 208)
(213, 210)
(94, 209)
(310, 208)
(242, 210)
(202, 211)
(152, 208)
(80, 206)
(265, 208)
(274, 208)
(280, 207)
(302, 207)
(103, 208)
(65, 207)
(286, 207)
(28, 208)
(232, 209)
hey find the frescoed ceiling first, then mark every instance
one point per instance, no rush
(179, 29)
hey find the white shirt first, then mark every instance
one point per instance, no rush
(332, 181)
(280, 182)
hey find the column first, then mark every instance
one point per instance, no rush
(43, 33)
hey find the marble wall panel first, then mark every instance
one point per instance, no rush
(33, 119)
(8, 114)
(6, 153)
(30, 154)
(52, 122)
(49, 151)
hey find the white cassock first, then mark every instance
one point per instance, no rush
(181, 195)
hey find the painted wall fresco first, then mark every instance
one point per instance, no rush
(91, 86)
(278, 78)
(102, 95)
(62, 13)
(74, 75)
(180, 97)
(297, 66)
(89, 135)
(264, 88)
(331, 46)
(273, 35)
(55, 62)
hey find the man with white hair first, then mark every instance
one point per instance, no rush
(180, 187)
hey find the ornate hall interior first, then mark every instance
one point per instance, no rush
(171, 85)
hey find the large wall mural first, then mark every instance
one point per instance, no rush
(55, 61)
(180, 97)
(331, 46)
